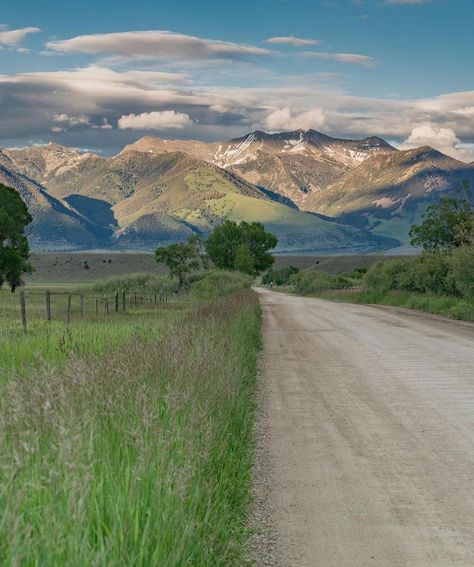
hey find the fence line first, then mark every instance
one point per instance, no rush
(122, 302)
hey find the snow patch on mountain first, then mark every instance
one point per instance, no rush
(232, 155)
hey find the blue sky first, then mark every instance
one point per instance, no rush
(86, 74)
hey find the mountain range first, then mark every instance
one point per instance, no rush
(317, 193)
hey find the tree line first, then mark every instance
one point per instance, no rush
(243, 247)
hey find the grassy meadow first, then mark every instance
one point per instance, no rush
(126, 439)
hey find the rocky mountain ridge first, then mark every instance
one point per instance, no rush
(315, 191)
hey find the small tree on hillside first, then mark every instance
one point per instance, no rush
(445, 226)
(244, 247)
(181, 258)
(14, 248)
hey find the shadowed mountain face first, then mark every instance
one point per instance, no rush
(387, 193)
(155, 191)
(55, 224)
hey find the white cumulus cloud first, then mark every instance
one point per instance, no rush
(284, 119)
(159, 120)
(443, 139)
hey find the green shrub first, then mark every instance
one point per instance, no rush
(386, 274)
(427, 273)
(462, 262)
(309, 282)
(135, 282)
(213, 283)
(279, 277)
(356, 274)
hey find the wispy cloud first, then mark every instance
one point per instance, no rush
(13, 38)
(80, 120)
(352, 58)
(292, 40)
(156, 44)
(407, 2)
(34, 103)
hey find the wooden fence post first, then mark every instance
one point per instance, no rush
(116, 299)
(82, 306)
(23, 310)
(124, 300)
(48, 306)
(96, 306)
(106, 304)
(69, 302)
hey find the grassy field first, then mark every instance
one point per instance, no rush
(330, 264)
(126, 439)
(65, 268)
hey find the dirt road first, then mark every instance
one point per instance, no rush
(368, 435)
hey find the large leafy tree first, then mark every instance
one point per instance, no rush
(445, 226)
(14, 248)
(181, 258)
(244, 247)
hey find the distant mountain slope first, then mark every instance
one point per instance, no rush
(291, 164)
(55, 224)
(314, 191)
(389, 192)
(138, 199)
(193, 195)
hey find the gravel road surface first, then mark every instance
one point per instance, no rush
(367, 436)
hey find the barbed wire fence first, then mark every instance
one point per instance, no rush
(75, 306)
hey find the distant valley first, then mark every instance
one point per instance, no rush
(317, 193)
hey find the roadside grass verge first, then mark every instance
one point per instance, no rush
(139, 453)
(444, 305)
(54, 341)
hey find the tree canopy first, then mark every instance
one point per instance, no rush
(445, 226)
(14, 248)
(181, 258)
(244, 247)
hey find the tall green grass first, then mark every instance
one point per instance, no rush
(212, 283)
(138, 453)
(55, 341)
